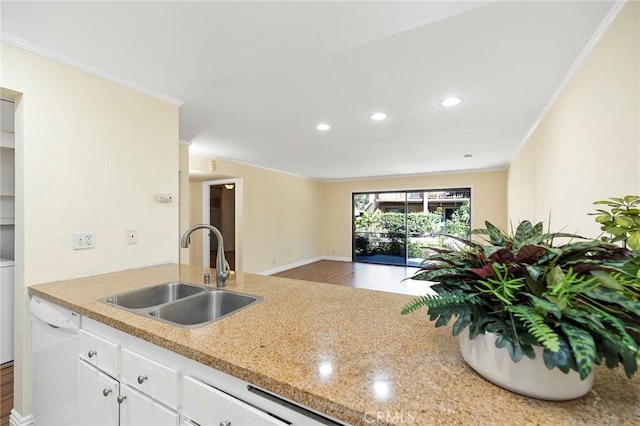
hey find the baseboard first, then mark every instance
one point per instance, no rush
(290, 266)
(337, 258)
(302, 263)
(15, 419)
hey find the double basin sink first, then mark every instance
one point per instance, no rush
(182, 304)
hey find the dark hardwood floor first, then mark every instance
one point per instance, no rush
(388, 278)
(6, 392)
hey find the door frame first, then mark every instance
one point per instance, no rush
(206, 218)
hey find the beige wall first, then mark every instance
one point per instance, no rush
(488, 193)
(95, 156)
(91, 156)
(289, 219)
(195, 217)
(588, 146)
(280, 220)
(184, 198)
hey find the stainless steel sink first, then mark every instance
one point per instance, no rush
(204, 308)
(153, 296)
(181, 304)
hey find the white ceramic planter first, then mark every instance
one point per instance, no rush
(527, 377)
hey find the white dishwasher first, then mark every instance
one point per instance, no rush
(6, 310)
(54, 332)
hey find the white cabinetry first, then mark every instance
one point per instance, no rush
(137, 409)
(206, 405)
(98, 393)
(99, 352)
(6, 310)
(7, 232)
(7, 180)
(107, 377)
(159, 387)
(150, 377)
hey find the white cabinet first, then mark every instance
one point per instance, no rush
(206, 405)
(137, 409)
(7, 180)
(7, 231)
(159, 387)
(107, 375)
(97, 397)
(6, 310)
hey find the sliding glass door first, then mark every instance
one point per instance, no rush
(398, 227)
(380, 236)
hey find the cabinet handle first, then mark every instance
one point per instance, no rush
(141, 379)
(121, 399)
(92, 353)
(106, 391)
(225, 423)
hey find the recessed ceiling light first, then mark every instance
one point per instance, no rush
(323, 127)
(451, 101)
(378, 116)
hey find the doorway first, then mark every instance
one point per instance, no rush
(221, 208)
(222, 215)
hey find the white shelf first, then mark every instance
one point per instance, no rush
(7, 140)
(7, 210)
(7, 182)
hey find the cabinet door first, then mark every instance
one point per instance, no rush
(97, 395)
(206, 405)
(138, 409)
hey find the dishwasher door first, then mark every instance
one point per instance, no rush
(54, 344)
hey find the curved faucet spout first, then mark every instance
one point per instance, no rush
(222, 266)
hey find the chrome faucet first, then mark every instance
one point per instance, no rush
(222, 266)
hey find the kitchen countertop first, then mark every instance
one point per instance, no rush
(342, 351)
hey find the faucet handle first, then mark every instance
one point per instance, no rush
(207, 278)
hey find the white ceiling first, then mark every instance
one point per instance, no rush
(256, 77)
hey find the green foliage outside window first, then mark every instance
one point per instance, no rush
(387, 233)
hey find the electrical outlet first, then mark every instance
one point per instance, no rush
(89, 239)
(84, 240)
(132, 236)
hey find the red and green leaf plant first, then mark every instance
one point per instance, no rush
(578, 298)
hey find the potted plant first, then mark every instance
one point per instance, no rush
(622, 222)
(533, 298)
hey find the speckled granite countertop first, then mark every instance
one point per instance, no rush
(343, 351)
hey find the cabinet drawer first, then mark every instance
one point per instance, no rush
(99, 352)
(206, 405)
(150, 377)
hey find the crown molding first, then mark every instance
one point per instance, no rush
(54, 56)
